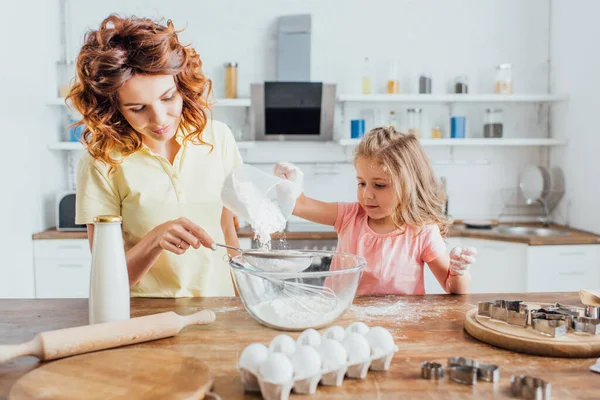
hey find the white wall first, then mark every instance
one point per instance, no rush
(576, 61)
(29, 173)
(448, 38)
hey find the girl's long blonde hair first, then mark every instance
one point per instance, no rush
(420, 197)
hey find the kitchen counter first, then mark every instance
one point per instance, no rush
(426, 328)
(574, 237)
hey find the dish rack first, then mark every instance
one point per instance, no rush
(515, 207)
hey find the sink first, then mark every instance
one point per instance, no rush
(531, 231)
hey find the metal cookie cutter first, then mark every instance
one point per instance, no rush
(516, 313)
(548, 322)
(485, 372)
(571, 312)
(499, 310)
(484, 308)
(592, 312)
(587, 325)
(461, 361)
(488, 372)
(528, 387)
(513, 312)
(464, 374)
(432, 370)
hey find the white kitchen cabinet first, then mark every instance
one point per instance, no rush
(563, 268)
(500, 267)
(62, 268)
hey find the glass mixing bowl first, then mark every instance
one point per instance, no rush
(312, 298)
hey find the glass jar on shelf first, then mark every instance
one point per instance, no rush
(413, 121)
(393, 84)
(231, 80)
(461, 85)
(425, 83)
(492, 123)
(504, 79)
(436, 132)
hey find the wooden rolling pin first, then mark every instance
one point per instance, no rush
(84, 339)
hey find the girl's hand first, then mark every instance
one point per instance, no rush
(461, 260)
(289, 171)
(179, 235)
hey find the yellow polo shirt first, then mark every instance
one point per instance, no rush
(147, 190)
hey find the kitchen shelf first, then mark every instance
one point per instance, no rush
(451, 98)
(482, 142)
(79, 146)
(217, 102)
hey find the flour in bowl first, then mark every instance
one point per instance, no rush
(298, 312)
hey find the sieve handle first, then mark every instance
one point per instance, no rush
(229, 247)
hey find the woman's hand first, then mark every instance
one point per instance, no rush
(461, 260)
(179, 235)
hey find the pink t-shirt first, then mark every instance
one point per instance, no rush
(394, 262)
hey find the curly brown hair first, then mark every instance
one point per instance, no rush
(420, 198)
(113, 54)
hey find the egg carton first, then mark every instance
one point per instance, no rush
(267, 369)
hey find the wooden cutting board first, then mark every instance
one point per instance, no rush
(526, 340)
(117, 374)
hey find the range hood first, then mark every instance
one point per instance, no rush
(293, 107)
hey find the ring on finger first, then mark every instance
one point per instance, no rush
(179, 245)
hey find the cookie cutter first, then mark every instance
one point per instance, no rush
(462, 361)
(498, 311)
(571, 312)
(529, 387)
(513, 312)
(485, 372)
(592, 312)
(549, 322)
(488, 372)
(587, 325)
(484, 308)
(432, 370)
(465, 374)
(517, 313)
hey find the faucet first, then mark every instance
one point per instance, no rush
(544, 219)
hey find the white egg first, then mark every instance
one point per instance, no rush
(358, 327)
(357, 347)
(253, 355)
(277, 368)
(309, 337)
(333, 354)
(335, 332)
(380, 340)
(306, 361)
(282, 344)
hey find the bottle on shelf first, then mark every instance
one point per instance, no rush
(366, 76)
(393, 84)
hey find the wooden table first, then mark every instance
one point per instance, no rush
(425, 328)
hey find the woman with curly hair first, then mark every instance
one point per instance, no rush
(155, 157)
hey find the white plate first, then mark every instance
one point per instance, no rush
(534, 183)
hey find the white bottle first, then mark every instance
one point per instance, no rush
(109, 280)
